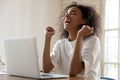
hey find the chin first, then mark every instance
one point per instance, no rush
(66, 27)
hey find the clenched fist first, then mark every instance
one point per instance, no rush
(85, 31)
(49, 32)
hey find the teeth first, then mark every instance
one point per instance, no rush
(67, 21)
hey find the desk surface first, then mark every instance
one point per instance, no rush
(7, 77)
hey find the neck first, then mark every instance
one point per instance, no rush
(72, 35)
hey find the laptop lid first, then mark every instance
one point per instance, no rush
(22, 57)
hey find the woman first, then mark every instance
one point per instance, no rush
(77, 53)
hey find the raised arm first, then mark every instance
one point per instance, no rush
(47, 65)
(76, 63)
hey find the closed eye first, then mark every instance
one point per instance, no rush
(72, 13)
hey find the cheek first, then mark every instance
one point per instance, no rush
(80, 21)
(77, 22)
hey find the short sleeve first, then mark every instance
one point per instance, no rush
(55, 56)
(91, 55)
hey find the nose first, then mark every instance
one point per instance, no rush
(66, 15)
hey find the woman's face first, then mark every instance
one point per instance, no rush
(72, 19)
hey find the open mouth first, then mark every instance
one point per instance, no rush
(68, 21)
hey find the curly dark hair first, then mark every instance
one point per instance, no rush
(89, 14)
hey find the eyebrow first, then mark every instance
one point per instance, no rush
(71, 11)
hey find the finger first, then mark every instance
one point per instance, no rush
(92, 28)
(88, 27)
(49, 28)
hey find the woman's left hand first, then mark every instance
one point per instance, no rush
(85, 31)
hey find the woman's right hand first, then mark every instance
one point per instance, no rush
(49, 32)
(47, 64)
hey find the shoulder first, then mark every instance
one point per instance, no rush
(61, 41)
(92, 40)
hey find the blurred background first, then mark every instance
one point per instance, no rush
(30, 17)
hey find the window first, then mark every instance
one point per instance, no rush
(111, 39)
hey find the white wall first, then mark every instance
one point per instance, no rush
(15, 19)
(28, 17)
(46, 13)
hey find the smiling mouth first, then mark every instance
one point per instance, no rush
(67, 22)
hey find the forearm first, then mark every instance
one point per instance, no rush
(76, 64)
(47, 65)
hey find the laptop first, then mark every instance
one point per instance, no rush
(22, 58)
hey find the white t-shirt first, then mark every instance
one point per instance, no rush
(63, 50)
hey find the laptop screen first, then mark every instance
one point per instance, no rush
(21, 56)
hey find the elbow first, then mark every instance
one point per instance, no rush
(72, 74)
(75, 70)
(47, 68)
(45, 71)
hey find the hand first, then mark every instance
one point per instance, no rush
(49, 32)
(86, 31)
